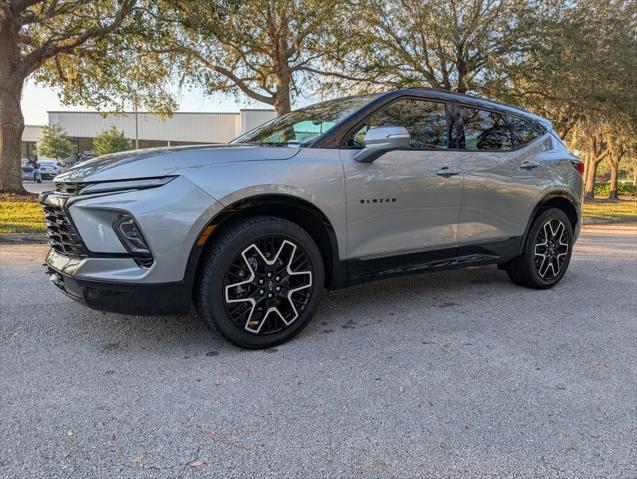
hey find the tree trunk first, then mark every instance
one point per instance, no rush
(612, 195)
(11, 128)
(282, 103)
(463, 86)
(591, 173)
(11, 119)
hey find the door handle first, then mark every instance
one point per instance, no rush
(447, 172)
(529, 164)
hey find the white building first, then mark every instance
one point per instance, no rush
(30, 137)
(152, 130)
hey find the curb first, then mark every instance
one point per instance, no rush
(20, 238)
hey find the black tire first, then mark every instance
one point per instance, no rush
(233, 252)
(542, 266)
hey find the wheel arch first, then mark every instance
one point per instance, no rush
(292, 208)
(562, 200)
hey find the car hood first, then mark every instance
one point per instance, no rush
(155, 162)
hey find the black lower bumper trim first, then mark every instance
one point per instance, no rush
(127, 298)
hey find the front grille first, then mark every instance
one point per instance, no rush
(63, 237)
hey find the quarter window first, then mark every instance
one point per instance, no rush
(426, 122)
(523, 131)
(483, 130)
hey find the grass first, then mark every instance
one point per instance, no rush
(23, 214)
(606, 211)
(20, 214)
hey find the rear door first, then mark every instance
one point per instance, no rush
(406, 201)
(502, 179)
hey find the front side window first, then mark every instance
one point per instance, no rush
(301, 126)
(523, 131)
(426, 122)
(483, 130)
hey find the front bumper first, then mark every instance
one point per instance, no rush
(170, 217)
(89, 263)
(139, 299)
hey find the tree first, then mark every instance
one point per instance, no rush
(266, 49)
(83, 48)
(452, 45)
(110, 141)
(622, 146)
(581, 77)
(54, 143)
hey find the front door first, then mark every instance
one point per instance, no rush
(406, 201)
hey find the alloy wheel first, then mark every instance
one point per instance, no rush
(551, 249)
(268, 285)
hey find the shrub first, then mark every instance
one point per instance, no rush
(602, 190)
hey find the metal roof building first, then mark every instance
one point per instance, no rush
(152, 130)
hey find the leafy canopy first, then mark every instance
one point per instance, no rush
(268, 50)
(93, 52)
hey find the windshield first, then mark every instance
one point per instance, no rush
(301, 126)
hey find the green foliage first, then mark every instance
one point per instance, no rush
(54, 143)
(459, 45)
(110, 71)
(110, 141)
(268, 50)
(602, 190)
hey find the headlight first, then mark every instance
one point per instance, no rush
(130, 235)
(140, 184)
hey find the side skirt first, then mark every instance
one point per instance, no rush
(492, 252)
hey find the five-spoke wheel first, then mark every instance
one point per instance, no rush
(546, 253)
(268, 285)
(260, 281)
(551, 248)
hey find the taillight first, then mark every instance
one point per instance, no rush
(579, 166)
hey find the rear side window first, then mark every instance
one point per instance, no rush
(483, 130)
(426, 122)
(523, 131)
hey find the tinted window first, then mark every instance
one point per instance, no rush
(426, 122)
(523, 131)
(301, 126)
(484, 130)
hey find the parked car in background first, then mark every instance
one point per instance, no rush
(49, 169)
(31, 172)
(332, 195)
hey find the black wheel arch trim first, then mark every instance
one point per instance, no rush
(335, 269)
(565, 195)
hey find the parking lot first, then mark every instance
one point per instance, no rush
(457, 374)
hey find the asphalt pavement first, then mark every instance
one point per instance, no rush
(457, 374)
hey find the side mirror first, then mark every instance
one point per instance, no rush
(380, 140)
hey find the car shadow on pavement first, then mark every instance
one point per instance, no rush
(346, 309)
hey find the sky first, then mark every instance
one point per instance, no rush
(37, 100)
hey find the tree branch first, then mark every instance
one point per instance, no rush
(18, 6)
(66, 45)
(239, 82)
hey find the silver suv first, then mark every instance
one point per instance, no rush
(339, 193)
